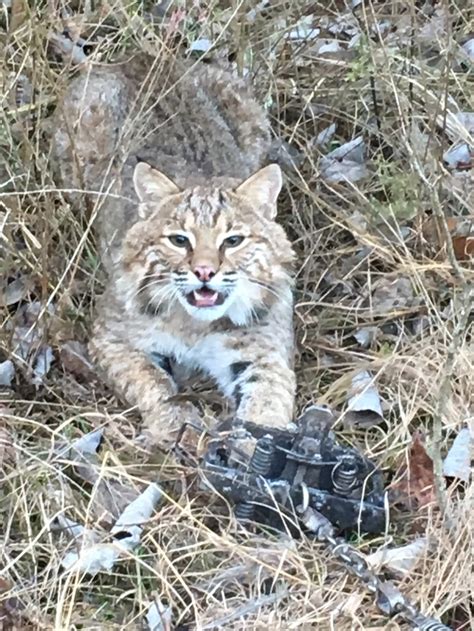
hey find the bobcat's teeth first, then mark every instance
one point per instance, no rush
(205, 299)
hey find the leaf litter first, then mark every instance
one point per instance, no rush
(93, 556)
(75, 360)
(402, 559)
(111, 495)
(27, 337)
(15, 291)
(364, 407)
(460, 231)
(158, 616)
(416, 488)
(346, 163)
(7, 373)
(457, 463)
(468, 48)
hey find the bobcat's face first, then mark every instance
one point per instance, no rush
(217, 252)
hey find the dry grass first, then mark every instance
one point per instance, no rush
(398, 89)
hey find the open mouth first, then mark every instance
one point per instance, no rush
(205, 297)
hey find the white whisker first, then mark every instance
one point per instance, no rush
(278, 294)
(165, 293)
(158, 281)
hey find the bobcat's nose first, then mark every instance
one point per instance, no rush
(204, 273)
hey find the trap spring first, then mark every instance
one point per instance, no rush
(304, 476)
(267, 473)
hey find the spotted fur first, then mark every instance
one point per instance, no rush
(197, 199)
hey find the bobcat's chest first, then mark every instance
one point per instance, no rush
(209, 353)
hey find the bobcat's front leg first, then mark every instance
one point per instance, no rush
(142, 383)
(263, 390)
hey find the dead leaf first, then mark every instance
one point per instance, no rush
(287, 156)
(317, 523)
(391, 295)
(363, 408)
(402, 559)
(353, 150)
(158, 616)
(325, 136)
(74, 530)
(346, 163)
(366, 336)
(416, 488)
(303, 30)
(201, 45)
(16, 291)
(7, 373)
(457, 463)
(100, 557)
(468, 48)
(326, 46)
(27, 341)
(42, 365)
(74, 359)
(461, 230)
(345, 24)
(70, 50)
(110, 495)
(357, 223)
(138, 512)
(459, 126)
(459, 186)
(252, 14)
(466, 121)
(88, 444)
(94, 557)
(459, 156)
(463, 247)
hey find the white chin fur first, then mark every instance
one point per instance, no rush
(206, 314)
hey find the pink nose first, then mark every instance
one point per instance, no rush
(204, 272)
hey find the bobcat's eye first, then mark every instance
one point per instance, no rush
(178, 240)
(233, 241)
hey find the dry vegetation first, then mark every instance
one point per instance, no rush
(388, 248)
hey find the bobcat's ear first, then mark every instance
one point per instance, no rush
(151, 185)
(262, 189)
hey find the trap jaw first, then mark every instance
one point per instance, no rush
(268, 473)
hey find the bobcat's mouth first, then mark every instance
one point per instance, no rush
(205, 297)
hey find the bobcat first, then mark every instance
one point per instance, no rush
(199, 272)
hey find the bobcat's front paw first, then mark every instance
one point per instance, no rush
(161, 427)
(266, 418)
